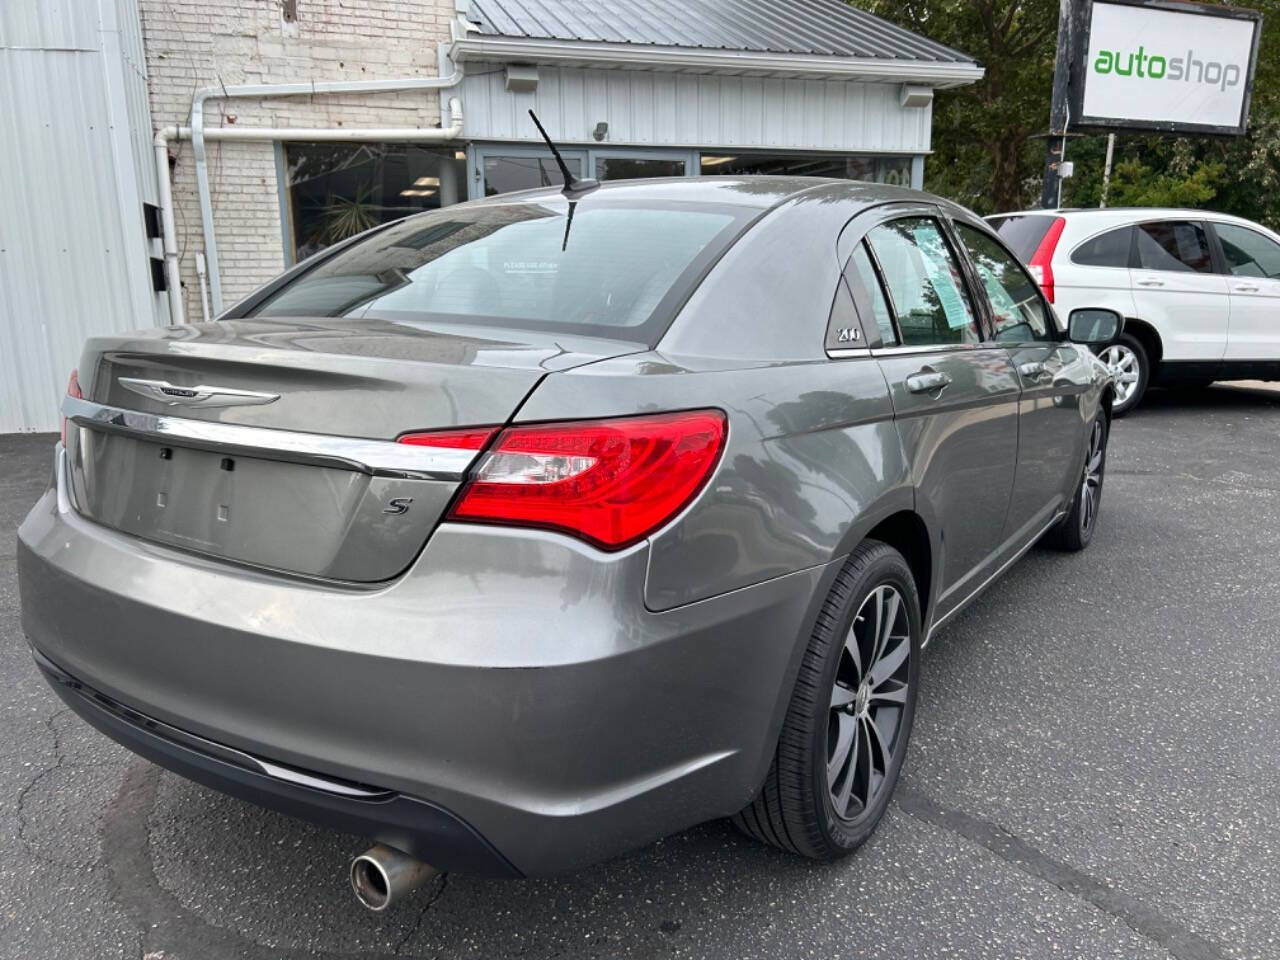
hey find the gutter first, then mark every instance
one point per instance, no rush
(197, 134)
(934, 73)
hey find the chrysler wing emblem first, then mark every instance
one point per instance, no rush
(201, 396)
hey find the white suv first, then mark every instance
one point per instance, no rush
(1200, 290)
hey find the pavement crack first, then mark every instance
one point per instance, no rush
(21, 804)
(1179, 941)
(422, 914)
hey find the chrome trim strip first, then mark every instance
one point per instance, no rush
(931, 348)
(840, 352)
(936, 626)
(377, 457)
(60, 473)
(200, 745)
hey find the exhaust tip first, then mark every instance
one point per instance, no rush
(370, 883)
(383, 875)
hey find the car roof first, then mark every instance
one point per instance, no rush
(761, 192)
(1124, 214)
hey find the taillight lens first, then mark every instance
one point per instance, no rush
(472, 438)
(73, 390)
(1042, 260)
(609, 482)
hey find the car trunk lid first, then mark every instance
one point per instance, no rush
(273, 443)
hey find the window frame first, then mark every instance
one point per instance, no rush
(991, 334)
(966, 284)
(856, 231)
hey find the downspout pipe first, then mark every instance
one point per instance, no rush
(308, 88)
(169, 241)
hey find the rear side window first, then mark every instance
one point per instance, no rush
(618, 270)
(1110, 249)
(1247, 252)
(1022, 233)
(1175, 245)
(926, 288)
(863, 279)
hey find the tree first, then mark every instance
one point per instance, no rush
(988, 137)
(987, 154)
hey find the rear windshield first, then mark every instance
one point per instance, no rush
(1023, 233)
(618, 270)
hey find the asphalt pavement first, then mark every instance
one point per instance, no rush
(1094, 773)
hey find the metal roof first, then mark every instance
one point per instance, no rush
(801, 27)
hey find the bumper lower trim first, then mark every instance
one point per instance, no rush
(415, 826)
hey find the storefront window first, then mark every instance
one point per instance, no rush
(336, 190)
(635, 168)
(503, 174)
(895, 170)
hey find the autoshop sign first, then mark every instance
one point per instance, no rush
(1165, 66)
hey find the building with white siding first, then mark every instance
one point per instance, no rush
(320, 118)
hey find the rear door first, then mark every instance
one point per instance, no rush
(1054, 375)
(955, 396)
(1176, 289)
(1252, 263)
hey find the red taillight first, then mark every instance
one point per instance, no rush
(1041, 263)
(472, 438)
(609, 482)
(73, 390)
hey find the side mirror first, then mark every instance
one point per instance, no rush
(1094, 326)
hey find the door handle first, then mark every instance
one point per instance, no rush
(928, 381)
(1151, 283)
(1032, 369)
(1246, 288)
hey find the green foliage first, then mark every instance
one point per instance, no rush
(988, 138)
(347, 216)
(1137, 185)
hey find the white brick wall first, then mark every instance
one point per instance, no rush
(195, 43)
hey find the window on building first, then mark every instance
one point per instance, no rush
(895, 170)
(336, 190)
(505, 173)
(635, 168)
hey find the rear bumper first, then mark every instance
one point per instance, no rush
(414, 826)
(510, 691)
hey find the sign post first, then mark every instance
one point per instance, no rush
(1154, 65)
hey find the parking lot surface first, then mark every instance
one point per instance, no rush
(1094, 772)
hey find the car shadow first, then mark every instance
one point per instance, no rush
(1215, 397)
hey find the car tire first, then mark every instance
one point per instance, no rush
(1128, 359)
(846, 730)
(1075, 531)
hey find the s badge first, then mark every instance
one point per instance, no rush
(398, 505)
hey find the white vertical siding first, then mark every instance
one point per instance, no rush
(645, 108)
(73, 252)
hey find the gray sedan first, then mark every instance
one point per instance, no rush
(524, 532)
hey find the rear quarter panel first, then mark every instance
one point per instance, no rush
(812, 461)
(1077, 286)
